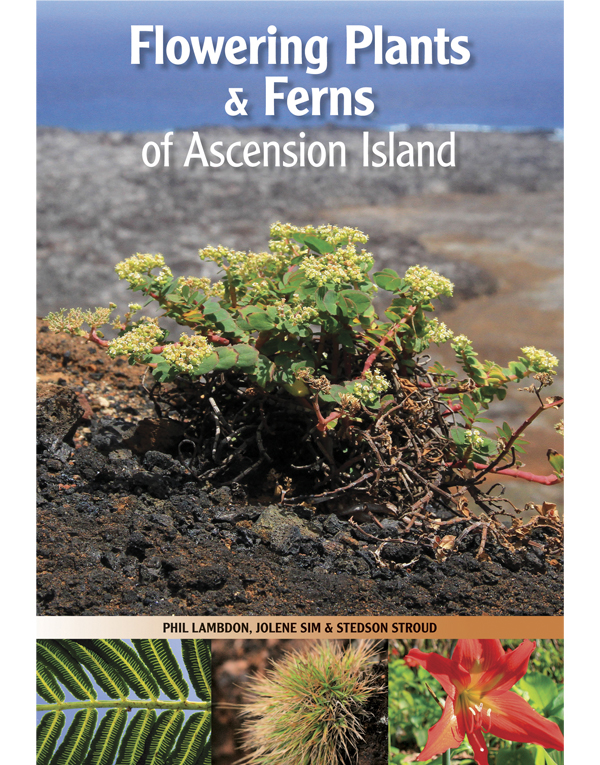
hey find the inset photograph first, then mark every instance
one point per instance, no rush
(488, 702)
(297, 701)
(122, 702)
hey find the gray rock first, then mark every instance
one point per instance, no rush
(99, 204)
(58, 412)
(284, 532)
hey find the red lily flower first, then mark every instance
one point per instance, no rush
(477, 680)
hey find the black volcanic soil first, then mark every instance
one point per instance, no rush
(123, 528)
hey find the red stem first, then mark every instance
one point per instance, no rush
(452, 408)
(371, 358)
(93, 337)
(217, 339)
(449, 389)
(322, 422)
(548, 480)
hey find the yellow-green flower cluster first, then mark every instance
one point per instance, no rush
(246, 266)
(187, 354)
(195, 283)
(344, 266)
(98, 316)
(66, 321)
(301, 313)
(334, 235)
(474, 438)
(539, 360)
(437, 332)
(119, 323)
(461, 343)
(138, 342)
(203, 284)
(70, 321)
(369, 389)
(134, 269)
(427, 283)
(164, 275)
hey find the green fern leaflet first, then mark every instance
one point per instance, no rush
(151, 719)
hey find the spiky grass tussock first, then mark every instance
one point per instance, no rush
(308, 707)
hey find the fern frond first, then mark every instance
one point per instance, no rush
(207, 756)
(124, 658)
(107, 677)
(192, 740)
(66, 670)
(180, 735)
(135, 737)
(160, 660)
(46, 684)
(77, 739)
(163, 736)
(197, 659)
(47, 734)
(106, 739)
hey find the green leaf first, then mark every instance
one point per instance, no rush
(540, 688)
(330, 301)
(46, 684)
(387, 279)
(207, 755)
(260, 320)
(107, 677)
(47, 735)
(106, 739)
(228, 358)
(315, 243)
(264, 371)
(542, 757)
(163, 736)
(136, 735)
(221, 318)
(468, 405)
(458, 436)
(192, 740)
(357, 302)
(556, 708)
(125, 659)
(522, 756)
(160, 660)
(65, 669)
(518, 369)
(197, 659)
(247, 356)
(74, 746)
(206, 365)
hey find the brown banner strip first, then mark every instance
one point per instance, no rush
(503, 627)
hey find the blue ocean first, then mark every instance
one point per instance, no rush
(512, 81)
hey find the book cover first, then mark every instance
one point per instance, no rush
(300, 371)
